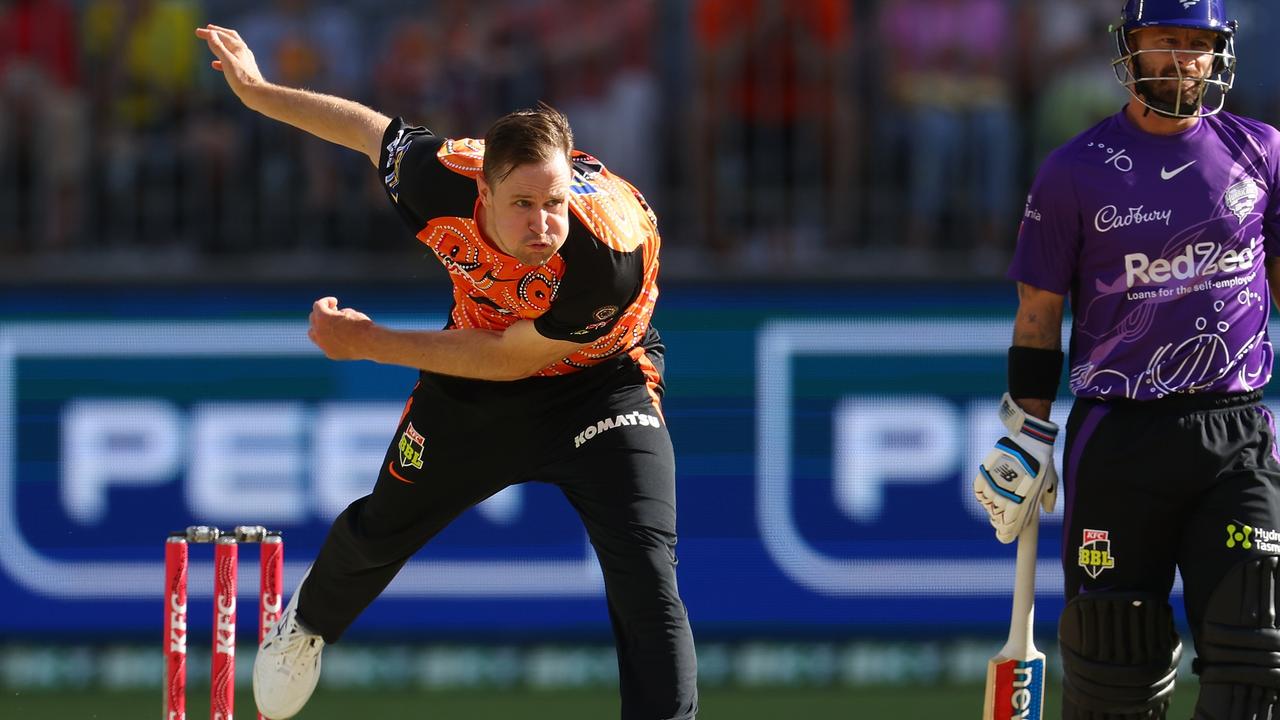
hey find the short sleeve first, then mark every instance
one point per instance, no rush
(1271, 220)
(419, 186)
(599, 283)
(1050, 236)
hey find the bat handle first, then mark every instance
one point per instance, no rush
(1024, 586)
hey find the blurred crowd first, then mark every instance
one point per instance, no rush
(805, 138)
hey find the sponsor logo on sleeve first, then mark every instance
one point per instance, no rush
(602, 316)
(395, 153)
(1031, 213)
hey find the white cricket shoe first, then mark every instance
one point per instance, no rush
(287, 666)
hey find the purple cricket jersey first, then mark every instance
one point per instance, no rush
(1161, 243)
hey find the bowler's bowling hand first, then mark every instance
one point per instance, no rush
(341, 333)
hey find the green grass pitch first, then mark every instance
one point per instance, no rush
(889, 703)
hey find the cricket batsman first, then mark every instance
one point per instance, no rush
(1161, 224)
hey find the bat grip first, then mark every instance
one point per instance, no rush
(1024, 587)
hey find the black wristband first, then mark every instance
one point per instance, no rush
(1034, 373)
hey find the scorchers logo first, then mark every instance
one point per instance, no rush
(1198, 260)
(607, 424)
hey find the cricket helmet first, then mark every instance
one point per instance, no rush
(1196, 14)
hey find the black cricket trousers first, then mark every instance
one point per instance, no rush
(1155, 485)
(599, 436)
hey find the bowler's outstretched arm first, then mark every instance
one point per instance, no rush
(339, 121)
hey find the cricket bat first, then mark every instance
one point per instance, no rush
(1015, 677)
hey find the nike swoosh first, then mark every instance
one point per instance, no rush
(1171, 174)
(391, 469)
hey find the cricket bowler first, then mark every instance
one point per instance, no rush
(548, 371)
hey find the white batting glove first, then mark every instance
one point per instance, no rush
(1018, 472)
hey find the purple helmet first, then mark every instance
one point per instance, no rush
(1195, 14)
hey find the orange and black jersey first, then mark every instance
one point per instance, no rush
(600, 287)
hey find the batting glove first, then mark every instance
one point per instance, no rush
(1018, 472)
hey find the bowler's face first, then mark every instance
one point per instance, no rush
(526, 214)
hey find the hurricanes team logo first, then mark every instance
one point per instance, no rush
(1241, 198)
(411, 446)
(1095, 552)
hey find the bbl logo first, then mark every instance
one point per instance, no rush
(1239, 535)
(1095, 552)
(411, 447)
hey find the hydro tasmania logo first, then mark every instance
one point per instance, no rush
(607, 424)
(1031, 213)
(1247, 537)
(1239, 536)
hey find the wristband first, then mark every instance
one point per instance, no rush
(1034, 373)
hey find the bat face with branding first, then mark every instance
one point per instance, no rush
(1015, 677)
(1015, 688)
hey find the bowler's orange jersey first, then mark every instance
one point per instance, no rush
(600, 287)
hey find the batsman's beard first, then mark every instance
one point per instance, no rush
(1169, 95)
